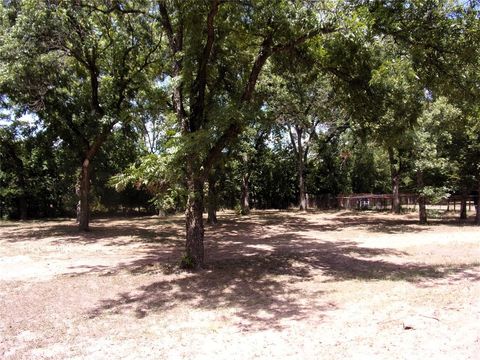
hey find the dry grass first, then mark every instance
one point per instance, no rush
(329, 285)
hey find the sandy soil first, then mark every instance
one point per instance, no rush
(278, 285)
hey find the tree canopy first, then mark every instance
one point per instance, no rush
(249, 103)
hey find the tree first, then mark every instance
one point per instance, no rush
(77, 66)
(442, 40)
(36, 170)
(212, 200)
(431, 136)
(273, 183)
(300, 100)
(13, 173)
(214, 76)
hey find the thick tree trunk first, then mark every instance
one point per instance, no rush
(245, 200)
(194, 251)
(212, 200)
(463, 205)
(84, 191)
(422, 209)
(194, 256)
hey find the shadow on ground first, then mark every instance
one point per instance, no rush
(145, 230)
(260, 266)
(265, 277)
(262, 289)
(374, 222)
(170, 229)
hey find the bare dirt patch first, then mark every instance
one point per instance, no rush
(328, 285)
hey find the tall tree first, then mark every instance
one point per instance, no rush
(430, 161)
(300, 100)
(217, 52)
(442, 40)
(77, 66)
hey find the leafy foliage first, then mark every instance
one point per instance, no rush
(163, 94)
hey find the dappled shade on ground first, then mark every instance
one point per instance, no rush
(267, 273)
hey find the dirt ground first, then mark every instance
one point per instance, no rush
(278, 285)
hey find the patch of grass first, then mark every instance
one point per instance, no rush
(187, 262)
(435, 213)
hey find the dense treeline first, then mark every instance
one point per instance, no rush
(113, 105)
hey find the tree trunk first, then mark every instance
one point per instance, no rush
(212, 200)
(194, 252)
(302, 203)
(22, 205)
(477, 211)
(396, 209)
(422, 210)
(301, 185)
(194, 256)
(84, 190)
(245, 200)
(395, 174)
(22, 184)
(463, 205)
(300, 154)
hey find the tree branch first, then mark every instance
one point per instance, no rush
(266, 50)
(176, 45)
(262, 57)
(200, 82)
(99, 140)
(76, 131)
(228, 136)
(292, 139)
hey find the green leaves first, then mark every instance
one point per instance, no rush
(403, 75)
(160, 175)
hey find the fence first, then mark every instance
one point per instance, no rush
(454, 202)
(374, 201)
(384, 202)
(324, 201)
